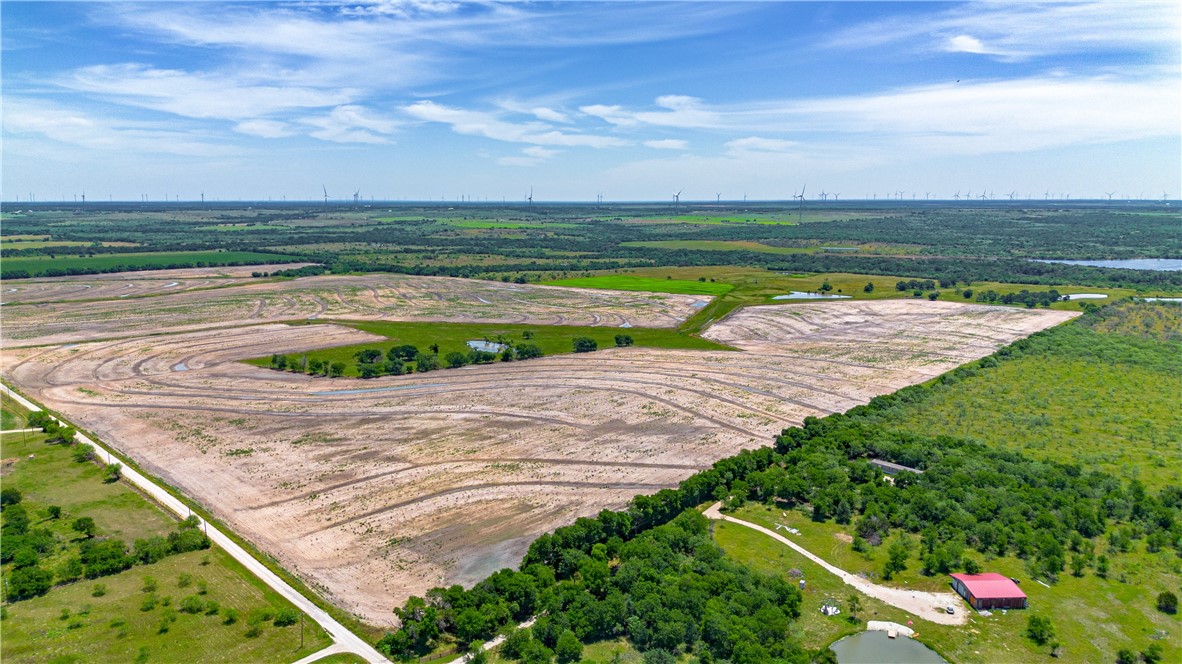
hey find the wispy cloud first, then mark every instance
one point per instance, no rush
(667, 144)
(88, 130)
(351, 124)
(489, 125)
(1020, 31)
(678, 111)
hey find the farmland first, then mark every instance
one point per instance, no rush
(360, 486)
(60, 264)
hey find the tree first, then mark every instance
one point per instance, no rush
(569, 648)
(1102, 567)
(1167, 602)
(1039, 629)
(868, 288)
(933, 295)
(623, 340)
(84, 525)
(278, 362)
(854, 604)
(1126, 656)
(434, 349)
(368, 356)
(315, 366)
(585, 345)
(336, 369)
(826, 287)
(369, 370)
(54, 511)
(28, 582)
(83, 454)
(405, 352)
(896, 557)
(113, 472)
(528, 351)
(425, 362)
(1079, 562)
(9, 496)
(1152, 654)
(968, 293)
(515, 642)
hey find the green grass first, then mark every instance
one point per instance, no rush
(38, 265)
(241, 227)
(495, 223)
(628, 282)
(1102, 400)
(552, 339)
(33, 629)
(12, 414)
(1092, 617)
(341, 658)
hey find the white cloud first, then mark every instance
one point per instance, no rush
(488, 125)
(759, 144)
(86, 130)
(264, 128)
(540, 152)
(196, 95)
(680, 111)
(1019, 31)
(351, 124)
(965, 44)
(667, 144)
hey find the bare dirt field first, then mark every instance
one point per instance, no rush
(373, 490)
(370, 297)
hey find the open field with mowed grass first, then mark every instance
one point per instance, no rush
(37, 266)
(627, 282)
(1092, 617)
(12, 414)
(74, 623)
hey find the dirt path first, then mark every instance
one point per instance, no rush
(929, 606)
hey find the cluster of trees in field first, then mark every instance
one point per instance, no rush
(407, 358)
(26, 547)
(1029, 298)
(970, 501)
(163, 264)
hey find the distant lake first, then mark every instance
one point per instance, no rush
(878, 648)
(1166, 264)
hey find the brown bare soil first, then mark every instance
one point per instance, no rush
(376, 490)
(177, 307)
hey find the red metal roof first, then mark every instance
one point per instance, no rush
(989, 585)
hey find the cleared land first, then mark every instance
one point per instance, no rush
(376, 490)
(369, 297)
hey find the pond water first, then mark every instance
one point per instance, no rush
(799, 295)
(878, 648)
(1162, 299)
(1167, 264)
(486, 346)
(1085, 296)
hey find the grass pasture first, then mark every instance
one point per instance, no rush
(73, 623)
(37, 266)
(12, 414)
(628, 282)
(552, 339)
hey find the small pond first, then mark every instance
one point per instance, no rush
(1167, 264)
(1162, 299)
(878, 648)
(799, 295)
(486, 346)
(1085, 296)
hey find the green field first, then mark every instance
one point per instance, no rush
(41, 265)
(494, 223)
(628, 282)
(1092, 617)
(242, 227)
(552, 339)
(12, 414)
(1105, 400)
(74, 623)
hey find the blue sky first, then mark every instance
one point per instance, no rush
(427, 100)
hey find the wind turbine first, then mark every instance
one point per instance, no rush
(355, 195)
(325, 195)
(983, 196)
(927, 195)
(718, 197)
(1011, 194)
(530, 198)
(956, 196)
(835, 195)
(824, 195)
(677, 198)
(800, 196)
(1109, 194)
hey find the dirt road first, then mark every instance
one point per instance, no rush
(929, 606)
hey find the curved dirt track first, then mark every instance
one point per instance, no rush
(445, 477)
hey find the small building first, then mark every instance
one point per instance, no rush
(889, 468)
(989, 591)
